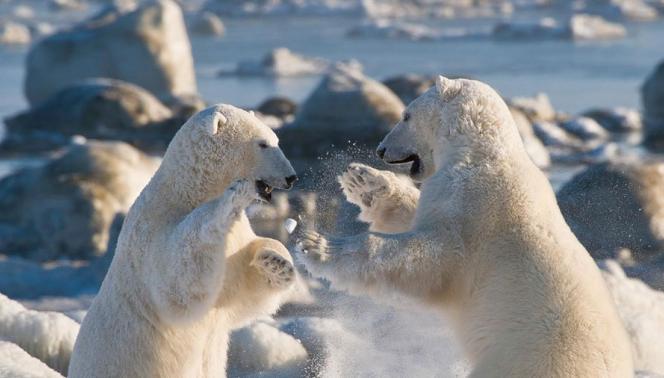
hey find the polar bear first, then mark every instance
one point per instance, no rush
(486, 241)
(188, 268)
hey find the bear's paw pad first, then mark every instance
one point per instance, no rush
(278, 271)
(362, 184)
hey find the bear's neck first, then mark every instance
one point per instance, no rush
(180, 185)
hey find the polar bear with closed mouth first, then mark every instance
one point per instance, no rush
(188, 268)
(484, 238)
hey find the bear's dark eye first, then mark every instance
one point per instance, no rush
(406, 117)
(262, 145)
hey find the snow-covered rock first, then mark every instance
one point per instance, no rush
(148, 46)
(48, 336)
(345, 106)
(261, 347)
(208, 23)
(551, 134)
(390, 29)
(642, 312)
(17, 363)
(67, 5)
(14, 33)
(577, 27)
(585, 128)
(619, 119)
(278, 106)
(284, 7)
(534, 147)
(95, 108)
(634, 10)
(409, 86)
(587, 27)
(536, 108)
(23, 12)
(617, 205)
(282, 62)
(65, 208)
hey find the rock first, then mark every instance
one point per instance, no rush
(577, 27)
(23, 12)
(409, 86)
(587, 27)
(48, 336)
(281, 62)
(634, 10)
(278, 106)
(536, 108)
(553, 135)
(534, 147)
(67, 5)
(65, 209)
(96, 108)
(208, 23)
(147, 46)
(262, 347)
(616, 205)
(652, 97)
(642, 312)
(390, 29)
(14, 33)
(618, 119)
(17, 363)
(346, 105)
(585, 128)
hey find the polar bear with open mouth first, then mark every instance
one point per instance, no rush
(483, 238)
(188, 268)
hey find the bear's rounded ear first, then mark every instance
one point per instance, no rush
(251, 113)
(218, 120)
(447, 88)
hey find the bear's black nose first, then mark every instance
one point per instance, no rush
(290, 180)
(380, 151)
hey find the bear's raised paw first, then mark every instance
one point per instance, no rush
(278, 271)
(362, 184)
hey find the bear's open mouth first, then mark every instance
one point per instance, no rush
(264, 190)
(415, 168)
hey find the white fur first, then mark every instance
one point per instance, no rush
(188, 268)
(48, 336)
(487, 241)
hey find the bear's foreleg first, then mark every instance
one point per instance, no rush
(189, 272)
(387, 202)
(418, 263)
(255, 277)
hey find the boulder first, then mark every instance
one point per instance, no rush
(278, 106)
(652, 97)
(208, 23)
(65, 208)
(534, 147)
(618, 119)
(409, 86)
(14, 33)
(147, 46)
(577, 27)
(345, 106)
(537, 108)
(96, 108)
(617, 205)
(281, 62)
(585, 128)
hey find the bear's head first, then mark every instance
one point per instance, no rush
(446, 122)
(223, 143)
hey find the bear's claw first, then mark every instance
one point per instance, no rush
(278, 271)
(362, 184)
